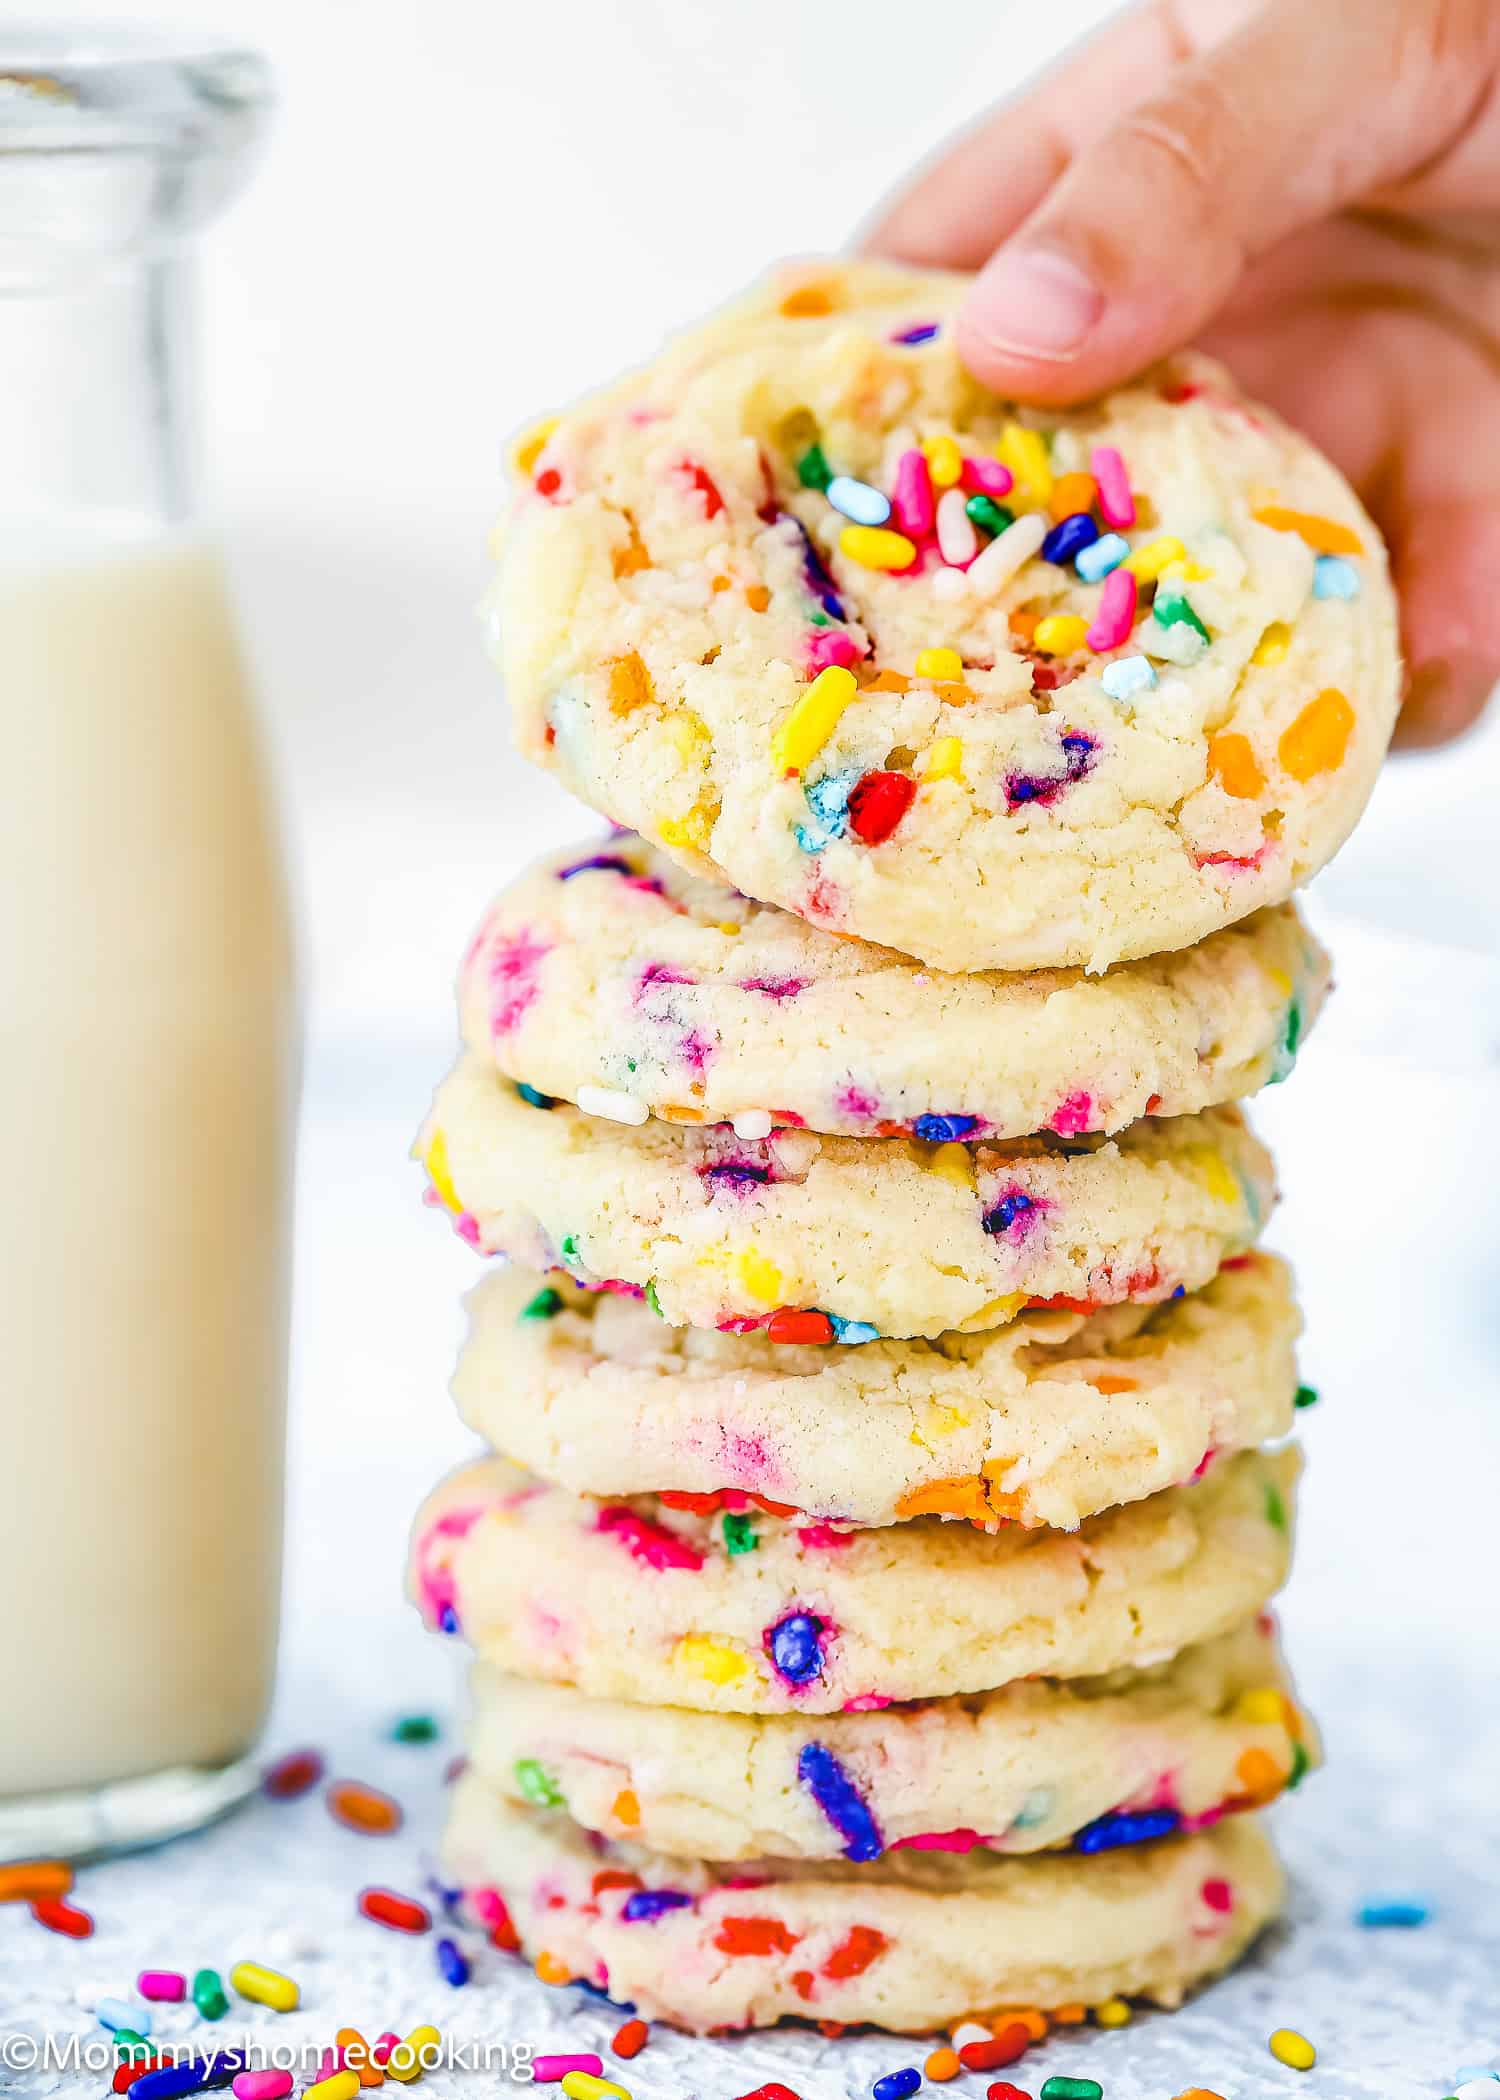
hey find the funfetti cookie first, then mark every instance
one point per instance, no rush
(1045, 1421)
(915, 1941)
(816, 1238)
(639, 1600)
(609, 974)
(1093, 1764)
(805, 605)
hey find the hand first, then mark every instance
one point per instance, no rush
(1312, 192)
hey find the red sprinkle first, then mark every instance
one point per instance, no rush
(877, 803)
(127, 2073)
(1003, 2090)
(854, 1953)
(631, 2039)
(789, 1325)
(294, 1774)
(699, 479)
(1011, 2042)
(1218, 1895)
(59, 1916)
(548, 482)
(755, 1936)
(399, 1912)
(773, 2091)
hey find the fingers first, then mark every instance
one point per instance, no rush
(1147, 231)
(1446, 558)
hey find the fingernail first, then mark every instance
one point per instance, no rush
(1034, 302)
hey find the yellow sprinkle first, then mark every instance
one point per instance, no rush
(1261, 1706)
(942, 664)
(812, 720)
(710, 1659)
(440, 1174)
(1273, 644)
(583, 2085)
(1114, 2012)
(943, 760)
(695, 829)
(1186, 571)
(944, 461)
(1218, 1179)
(876, 547)
(953, 1163)
(1280, 982)
(1025, 453)
(998, 1313)
(531, 443)
(1289, 2047)
(342, 2085)
(686, 732)
(264, 1986)
(761, 1278)
(405, 2064)
(1060, 634)
(1147, 563)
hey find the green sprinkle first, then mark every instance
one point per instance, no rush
(132, 2047)
(1286, 1055)
(546, 1305)
(208, 1994)
(534, 1097)
(537, 1784)
(1072, 2089)
(1300, 1766)
(739, 1532)
(813, 470)
(1172, 610)
(1275, 1507)
(414, 1728)
(1307, 1396)
(653, 1301)
(986, 512)
(569, 1250)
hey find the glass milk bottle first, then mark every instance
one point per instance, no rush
(146, 1022)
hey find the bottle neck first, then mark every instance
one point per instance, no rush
(95, 393)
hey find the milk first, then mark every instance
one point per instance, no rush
(146, 1073)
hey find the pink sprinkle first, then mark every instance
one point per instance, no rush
(648, 1542)
(163, 1986)
(262, 2085)
(547, 2070)
(942, 1841)
(986, 477)
(1073, 1115)
(911, 495)
(1205, 1462)
(1116, 502)
(821, 1534)
(383, 2045)
(466, 1225)
(830, 645)
(867, 1703)
(1115, 615)
(513, 974)
(1218, 1895)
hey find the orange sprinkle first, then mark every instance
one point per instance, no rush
(626, 560)
(1323, 535)
(889, 682)
(1031, 2017)
(963, 1496)
(363, 1808)
(1317, 741)
(806, 302)
(1234, 765)
(35, 1877)
(720, 583)
(1110, 1384)
(956, 694)
(355, 2055)
(672, 1114)
(942, 2065)
(757, 597)
(1199, 2092)
(630, 684)
(626, 1808)
(1258, 1772)
(1023, 626)
(551, 1970)
(1069, 2015)
(1071, 493)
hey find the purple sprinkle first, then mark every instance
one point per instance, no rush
(821, 584)
(795, 1647)
(840, 1800)
(447, 1620)
(944, 1130)
(735, 1173)
(1078, 751)
(774, 987)
(604, 863)
(922, 333)
(1014, 1207)
(642, 1905)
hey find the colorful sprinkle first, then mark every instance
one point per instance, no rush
(296, 1773)
(958, 542)
(853, 1333)
(1172, 609)
(1124, 1827)
(942, 2065)
(547, 2070)
(945, 462)
(912, 500)
(1293, 2049)
(264, 1986)
(363, 1808)
(1116, 503)
(583, 2085)
(122, 2018)
(1114, 616)
(630, 2039)
(162, 1986)
(897, 2085)
(338, 2085)
(209, 1995)
(857, 501)
(813, 719)
(1318, 739)
(876, 547)
(1127, 677)
(418, 2053)
(641, 1906)
(922, 333)
(1114, 2012)
(944, 1130)
(794, 1645)
(1071, 495)
(262, 2085)
(400, 1913)
(754, 1937)
(58, 1915)
(1333, 577)
(840, 1800)
(1095, 561)
(1060, 2088)
(1147, 563)
(1233, 763)
(1004, 556)
(1306, 1396)
(988, 515)
(1323, 535)
(1061, 634)
(877, 803)
(1025, 453)
(1400, 1913)
(986, 477)
(813, 470)
(651, 1544)
(1066, 541)
(790, 1325)
(739, 1533)
(414, 1728)
(944, 665)
(609, 1102)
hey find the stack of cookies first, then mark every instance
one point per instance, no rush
(871, 1601)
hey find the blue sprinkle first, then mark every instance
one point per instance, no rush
(646, 1904)
(810, 838)
(795, 1647)
(447, 1620)
(1095, 561)
(828, 799)
(922, 333)
(1385, 1911)
(857, 500)
(605, 863)
(840, 1800)
(196, 2076)
(452, 1966)
(852, 1332)
(944, 1130)
(597, 1990)
(1334, 577)
(1127, 676)
(1121, 1827)
(819, 582)
(896, 2085)
(1065, 542)
(533, 1097)
(1036, 1808)
(1005, 1213)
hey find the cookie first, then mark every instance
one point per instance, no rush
(1045, 1421)
(637, 1600)
(912, 1942)
(608, 970)
(889, 1235)
(805, 605)
(1093, 1763)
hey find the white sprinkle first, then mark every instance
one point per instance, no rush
(857, 500)
(753, 1123)
(958, 542)
(1127, 676)
(1007, 553)
(969, 2031)
(606, 1101)
(949, 583)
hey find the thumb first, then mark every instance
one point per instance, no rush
(1295, 114)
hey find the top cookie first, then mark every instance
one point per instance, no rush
(804, 604)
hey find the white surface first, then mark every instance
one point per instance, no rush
(467, 213)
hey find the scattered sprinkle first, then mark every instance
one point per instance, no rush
(794, 1645)
(1307, 1396)
(546, 1305)
(537, 1784)
(610, 1102)
(363, 1808)
(162, 1986)
(944, 665)
(58, 1915)
(857, 501)
(534, 1097)
(584, 2085)
(123, 2018)
(1333, 577)
(209, 1995)
(1293, 2049)
(547, 2070)
(1400, 1912)
(995, 2051)
(814, 717)
(1066, 541)
(897, 2085)
(264, 1986)
(1059, 2088)
(296, 1773)
(1114, 616)
(414, 1728)
(1060, 634)
(877, 803)
(958, 542)
(1323, 535)
(813, 470)
(752, 1124)
(1010, 552)
(942, 2065)
(875, 547)
(1116, 502)
(386, 1907)
(630, 2039)
(643, 1906)
(1095, 561)
(1114, 2012)
(988, 515)
(1127, 677)
(789, 1324)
